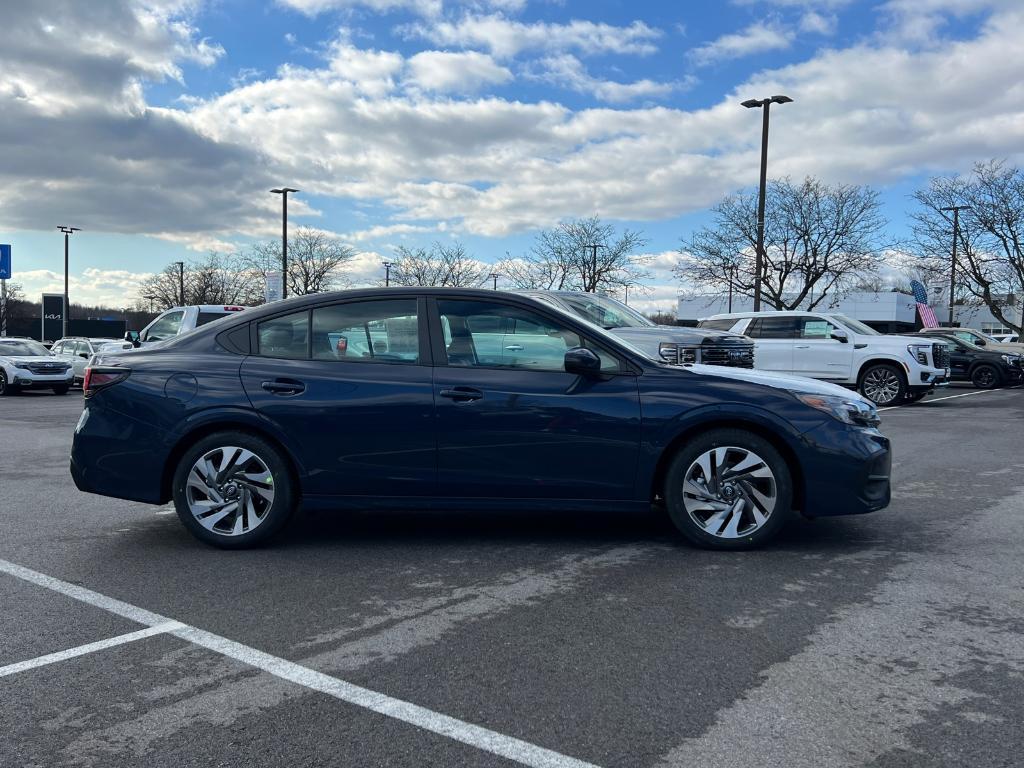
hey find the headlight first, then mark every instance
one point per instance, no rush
(23, 366)
(919, 351)
(1010, 359)
(847, 409)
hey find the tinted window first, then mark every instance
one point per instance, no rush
(718, 325)
(286, 337)
(209, 317)
(164, 328)
(367, 331)
(774, 328)
(493, 335)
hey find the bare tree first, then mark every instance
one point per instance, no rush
(819, 240)
(316, 261)
(564, 258)
(442, 265)
(990, 244)
(217, 279)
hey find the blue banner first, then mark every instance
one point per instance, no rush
(5, 262)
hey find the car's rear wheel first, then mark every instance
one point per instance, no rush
(986, 377)
(233, 490)
(61, 390)
(728, 489)
(883, 384)
(5, 388)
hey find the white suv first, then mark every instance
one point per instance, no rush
(821, 345)
(26, 364)
(177, 320)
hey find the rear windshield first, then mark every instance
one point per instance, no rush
(209, 317)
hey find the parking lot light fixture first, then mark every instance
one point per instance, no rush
(494, 276)
(765, 105)
(283, 192)
(387, 272)
(68, 231)
(592, 288)
(151, 298)
(181, 282)
(952, 267)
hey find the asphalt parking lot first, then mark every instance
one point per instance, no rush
(892, 639)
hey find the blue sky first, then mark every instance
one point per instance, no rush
(159, 125)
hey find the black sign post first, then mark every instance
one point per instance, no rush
(53, 316)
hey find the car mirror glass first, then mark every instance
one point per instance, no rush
(582, 362)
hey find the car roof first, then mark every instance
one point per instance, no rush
(767, 313)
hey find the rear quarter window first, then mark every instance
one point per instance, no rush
(718, 325)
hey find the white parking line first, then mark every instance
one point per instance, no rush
(484, 739)
(81, 650)
(950, 397)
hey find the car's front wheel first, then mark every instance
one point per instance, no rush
(729, 489)
(5, 387)
(883, 384)
(61, 389)
(986, 377)
(233, 490)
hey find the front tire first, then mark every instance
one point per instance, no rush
(729, 489)
(61, 390)
(233, 490)
(5, 387)
(986, 377)
(883, 384)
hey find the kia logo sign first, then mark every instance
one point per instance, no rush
(51, 317)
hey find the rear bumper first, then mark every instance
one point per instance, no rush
(848, 471)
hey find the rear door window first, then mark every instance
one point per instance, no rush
(718, 325)
(775, 328)
(385, 331)
(284, 337)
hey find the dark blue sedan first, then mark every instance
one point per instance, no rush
(443, 398)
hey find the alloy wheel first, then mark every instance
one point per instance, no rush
(729, 492)
(881, 385)
(229, 490)
(984, 378)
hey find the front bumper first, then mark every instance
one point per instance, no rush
(846, 470)
(28, 380)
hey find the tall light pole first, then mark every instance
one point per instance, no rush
(283, 192)
(181, 282)
(731, 272)
(594, 246)
(67, 307)
(765, 105)
(151, 298)
(952, 267)
(387, 272)
(494, 276)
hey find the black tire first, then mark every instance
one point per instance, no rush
(882, 378)
(281, 484)
(686, 461)
(62, 389)
(5, 388)
(986, 377)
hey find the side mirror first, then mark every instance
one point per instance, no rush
(134, 337)
(980, 342)
(582, 362)
(84, 354)
(840, 335)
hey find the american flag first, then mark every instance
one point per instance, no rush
(927, 314)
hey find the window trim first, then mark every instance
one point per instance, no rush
(440, 355)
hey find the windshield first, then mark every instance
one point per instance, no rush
(856, 325)
(22, 347)
(608, 313)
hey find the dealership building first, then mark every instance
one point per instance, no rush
(885, 311)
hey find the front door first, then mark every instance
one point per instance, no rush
(818, 354)
(511, 423)
(348, 384)
(959, 359)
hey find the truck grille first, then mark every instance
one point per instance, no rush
(734, 357)
(940, 354)
(47, 369)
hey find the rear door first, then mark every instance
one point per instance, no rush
(350, 384)
(818, 354)
(774, 339)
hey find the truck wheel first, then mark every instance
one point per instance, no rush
(986, 377)
(233, 490)
(883, 384)
(728, 489)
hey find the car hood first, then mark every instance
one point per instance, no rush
(680, 335)
(777, 380)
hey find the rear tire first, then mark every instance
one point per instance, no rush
(233, 490)
(986, 377)
(729, 489)
(883, 384)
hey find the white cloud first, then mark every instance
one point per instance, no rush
(107, 287)
(462, 72)
(756, 38)
(566, 71)
(818, 23)
(506, 38)
(314, 7)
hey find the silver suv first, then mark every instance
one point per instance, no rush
(27, 364)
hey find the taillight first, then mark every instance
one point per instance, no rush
(102, 377)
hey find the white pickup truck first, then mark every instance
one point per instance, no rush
(177, 320)
(887, 370)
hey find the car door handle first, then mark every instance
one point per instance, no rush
(284, 387)
(514, 348)
(802, 346)
(462, 394)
